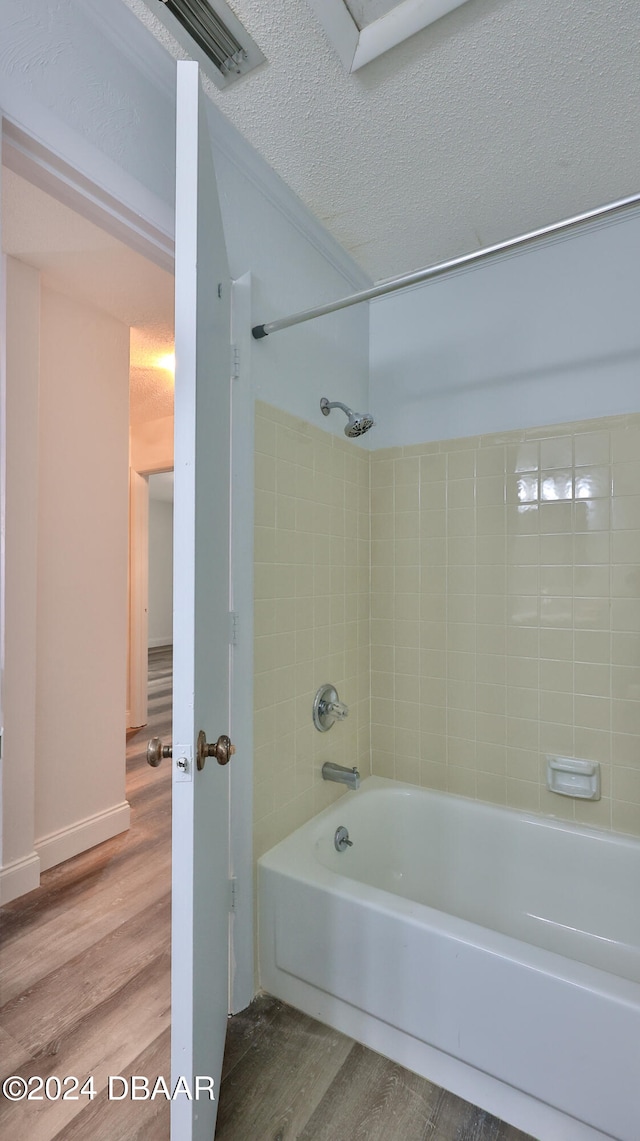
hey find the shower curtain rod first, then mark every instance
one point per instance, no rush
(421, 275)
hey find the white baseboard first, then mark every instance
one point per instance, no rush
(59, 846)
(154, 643)
(19, 877)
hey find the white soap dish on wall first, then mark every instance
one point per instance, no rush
(569, 776)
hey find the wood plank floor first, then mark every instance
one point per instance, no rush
(287, 1077)
(84, 963)
(84, 966)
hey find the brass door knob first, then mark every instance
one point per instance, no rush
(156, 751)
(223, 750)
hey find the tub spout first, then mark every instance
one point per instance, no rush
(350, 777)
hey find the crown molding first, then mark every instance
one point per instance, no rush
(33, 161)
(136, 41)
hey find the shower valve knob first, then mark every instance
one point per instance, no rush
(327, 708)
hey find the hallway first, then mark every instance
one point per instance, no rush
(85, 964)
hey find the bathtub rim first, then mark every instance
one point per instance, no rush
(391, 785)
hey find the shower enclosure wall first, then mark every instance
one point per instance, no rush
(311, 615)
(501, 627)
(495, 571)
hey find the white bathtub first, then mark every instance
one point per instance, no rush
(493, 952)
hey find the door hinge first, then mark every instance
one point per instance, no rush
(235, 362)
(233, 894)
(234, 627)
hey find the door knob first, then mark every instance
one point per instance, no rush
(156, 751)
(223, 750)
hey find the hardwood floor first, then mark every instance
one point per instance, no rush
(287, 1077)
(84, 963)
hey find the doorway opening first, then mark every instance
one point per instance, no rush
(88, 937)
(69, 277)
(151, 602)
(160, 625)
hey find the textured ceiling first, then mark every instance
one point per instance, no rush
(152, 384)
(499, 118)
(81, 260)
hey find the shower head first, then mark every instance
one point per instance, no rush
(357, 422)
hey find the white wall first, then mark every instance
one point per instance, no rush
(82, 578)
(547, 335)
(94, 90)
(105, 103)
(160, 571)
(291, 270)
(152, 445)
(19, 863)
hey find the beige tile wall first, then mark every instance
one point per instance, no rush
(311, 616)
(505, 615)
(495, 615)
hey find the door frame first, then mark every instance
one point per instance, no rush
(138, 625)
(242, 985)
(84, 192)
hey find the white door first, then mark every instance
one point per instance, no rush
(200, 916)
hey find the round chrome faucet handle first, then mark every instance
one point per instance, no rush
(327, 708)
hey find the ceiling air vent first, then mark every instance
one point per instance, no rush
(212, 34)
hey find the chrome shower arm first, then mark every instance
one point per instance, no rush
(327, 405)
